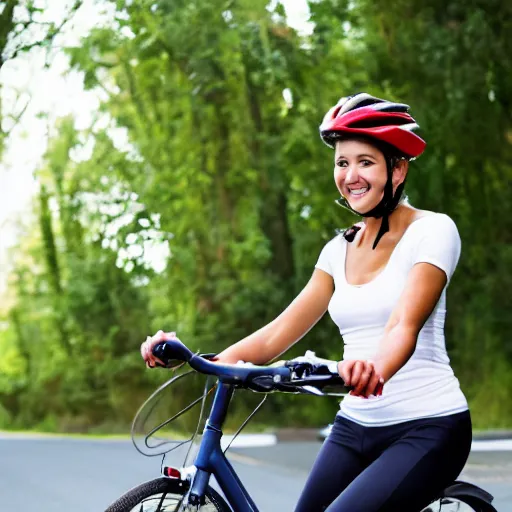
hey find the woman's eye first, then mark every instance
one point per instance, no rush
(341, 163)
(366, 163)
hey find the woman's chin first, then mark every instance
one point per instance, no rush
(360, 205)
(365, 202)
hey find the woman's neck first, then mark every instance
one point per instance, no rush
(398, 220)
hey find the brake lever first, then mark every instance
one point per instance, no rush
(313, 391)
(310, 379)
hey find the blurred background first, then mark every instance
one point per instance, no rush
(161, 169)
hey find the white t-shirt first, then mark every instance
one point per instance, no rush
(426, 385)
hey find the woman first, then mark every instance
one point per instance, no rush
(404, 432)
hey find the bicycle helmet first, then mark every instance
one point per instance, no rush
(386, 125)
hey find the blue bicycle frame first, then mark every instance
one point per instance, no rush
(211, 459)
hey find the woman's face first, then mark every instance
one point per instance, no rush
(360, 174)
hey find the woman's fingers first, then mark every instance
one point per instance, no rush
(357, 372)
(345, 371)
(364, 376)
(373, 383)
(146, 349)
(159, 337)
(143, 348)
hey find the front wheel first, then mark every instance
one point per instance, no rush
(164, 495)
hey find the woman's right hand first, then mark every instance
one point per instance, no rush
(362, 376)
(146, 349)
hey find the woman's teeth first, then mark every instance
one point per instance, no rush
(358, 191)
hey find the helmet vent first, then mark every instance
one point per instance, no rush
(375, 123)
(391, 107)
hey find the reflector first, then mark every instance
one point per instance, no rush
(172, 472)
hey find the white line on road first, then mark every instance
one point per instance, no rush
(494, 445)
(249, 440)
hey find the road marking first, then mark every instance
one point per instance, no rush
(249, 440)
(494, 445)
(241, 441)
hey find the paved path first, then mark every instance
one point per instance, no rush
(63, 475)
(60, 475)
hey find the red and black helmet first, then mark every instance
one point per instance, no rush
(365, 115)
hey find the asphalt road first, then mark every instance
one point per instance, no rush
(61, 475)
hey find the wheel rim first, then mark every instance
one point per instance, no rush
(449, 505)
(169, 502)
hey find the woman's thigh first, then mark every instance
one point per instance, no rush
(336, 465)
(411, 472)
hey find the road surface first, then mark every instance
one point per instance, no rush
(81, 475)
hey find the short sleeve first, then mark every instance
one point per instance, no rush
(438, 243)
(325, 261)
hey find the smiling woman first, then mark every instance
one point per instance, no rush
(389, 275)
(385, 132)
(405, 430)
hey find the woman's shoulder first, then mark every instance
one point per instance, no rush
(336, 242)
(434, 239)
(331, 254)
(426, 222)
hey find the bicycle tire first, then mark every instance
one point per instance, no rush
(458, 505)
(171, 492)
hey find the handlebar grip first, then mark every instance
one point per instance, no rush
(159, 351)
(171, 352)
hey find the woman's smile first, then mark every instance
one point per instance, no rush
(358, 192)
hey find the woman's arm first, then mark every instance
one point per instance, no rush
(422, 291)
(289, 327)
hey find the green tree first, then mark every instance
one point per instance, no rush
(212, 157)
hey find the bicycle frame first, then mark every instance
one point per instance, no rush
(210, 458)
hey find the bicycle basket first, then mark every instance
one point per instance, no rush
(171, 417)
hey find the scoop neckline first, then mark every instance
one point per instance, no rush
(389, 259)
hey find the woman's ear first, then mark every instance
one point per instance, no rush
(400, 172)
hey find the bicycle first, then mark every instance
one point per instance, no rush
(187, 488)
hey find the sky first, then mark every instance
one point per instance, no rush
(55, 92)
(25, 82)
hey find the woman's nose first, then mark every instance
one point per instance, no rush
(351, 174)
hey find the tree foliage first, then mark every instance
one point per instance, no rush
(202, 207)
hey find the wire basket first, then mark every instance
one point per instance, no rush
(172, 416)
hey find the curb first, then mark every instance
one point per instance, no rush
(492, 435)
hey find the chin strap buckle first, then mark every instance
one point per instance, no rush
(350, 233)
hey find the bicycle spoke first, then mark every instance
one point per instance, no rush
(159, 508)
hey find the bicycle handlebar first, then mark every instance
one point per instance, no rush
(305, 374)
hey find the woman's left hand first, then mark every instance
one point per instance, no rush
(362, 376)
(146, 349)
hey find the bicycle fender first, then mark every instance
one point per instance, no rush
(470, 494)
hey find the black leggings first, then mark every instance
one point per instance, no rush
(400, 467)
